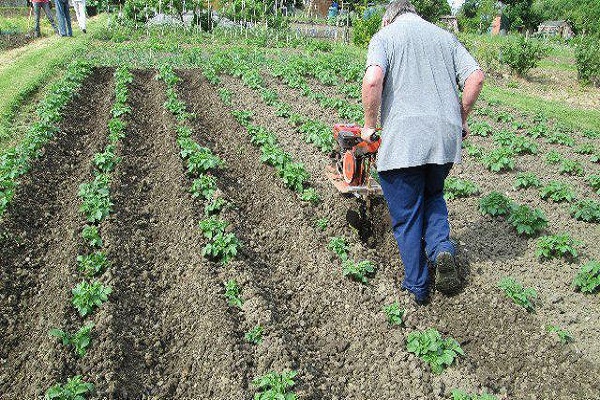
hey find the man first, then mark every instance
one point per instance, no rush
(414, 71)
(45, 5)
(64, 17)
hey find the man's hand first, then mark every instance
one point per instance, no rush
(366, 133)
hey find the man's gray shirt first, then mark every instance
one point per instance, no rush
(424, 68)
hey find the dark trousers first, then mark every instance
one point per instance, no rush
(64, 17)
(415, 198)
(36, 12)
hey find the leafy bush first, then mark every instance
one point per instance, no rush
(586, 210)
(233, 294)
(456, 188)
(501, 159)
(358, 271)
(557, 192)
(274, 386)
(261, 137)
(394, 314)
(522, 54)
(527, 221)
(80, 340)
(87, 296)
(364, 29)
(74, 389)
(93, 264)
(522, 145)
(495, 204)
(273, 155)
(430, 347)
(586, 148)
(587, 59)
(527, 179)
(552, 246)
(588, 278)
(254, 335)
(520, 295)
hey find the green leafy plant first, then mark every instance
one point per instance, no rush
(225, 95)
(430, 347)
(553, 157)
(107, 160)
(586, 148)
(322, 223)
(273, 155)
(254, 335)
(233, 294)
(560, 245)
(74, 389)
(95, 196)
(526, 180)
(261, 137)
(214, 206)
(204, 187)
(456, 187)
(594, 182)
(275, 386)
(223, 248)
(522, 145)
(557, 192)
(91, 236)
(339, 246)
(213, 226)
(87, 296)
(504, 138)
(269, 97)
(520, 295)
(283, 109)
(571, 167)
(522, 54)
(394, 314)
(462, 395)
(481, 128)
(536, 131)
(358, 271)
(560, 138)
(201, 161)
(294, 175)
(586, 210)
(243, 117)
(80, 340)
(564, 336)
(495, 204)
(588, 278)
(527, 221)
(310, 195)
(92, 264)
(501, 159)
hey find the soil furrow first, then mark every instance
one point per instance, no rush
(39, 247)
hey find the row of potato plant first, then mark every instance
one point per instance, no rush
(95, 206)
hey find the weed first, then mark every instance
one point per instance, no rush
(74, 389)
(204, 187)
(213, 226)
(294, 175)
(310, 195)
(553, 157)
(225, 95)
(358, 271)
(79, 340)
(456, 187)
(339, 246)
(571, 167)
(233, 294)
(501, 159)
(91, 236)
(526, 179)
(92, 264)
(527, 221)
(586, 210)
(223, 248)
(214, 206)
(322, 223)
(394, 314)
(564, 336)
(87, 295)
(430, 347)
(561, 245)
(588, 278)
(557, 192)
(495, 204)
(520, 295)
(274, 386)
(254, 335)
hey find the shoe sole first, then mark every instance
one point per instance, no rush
(446, 278)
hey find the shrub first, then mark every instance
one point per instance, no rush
(522, 54)
(588, 278)
(430, 347)
(553, 246)
(495, 204)
(364, 29)
(586, 210)
(527, 221)
(520, 295)
(587, 59)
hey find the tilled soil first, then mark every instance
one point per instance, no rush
(39, 247)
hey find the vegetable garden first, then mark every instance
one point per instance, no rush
(167, 231)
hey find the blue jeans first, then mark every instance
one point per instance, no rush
(64, 17)
(36, 12)
(415, 198)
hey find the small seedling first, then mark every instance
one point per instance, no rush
(521, 145)
(74, 389)
(553, 157)
(462, 395)
(87, 296)
(553, 246)
(525, 180)
(79, 340)
(495, 204)
(394, 314)
(91, 236)
(594, 182)
(212, 226)
(107, 160)
(527, 221)
(520, 295)
(92, 264)
(269, 96)
(261, 137)
(204, 187)
(339, 246)
(310, 195)
(322, 223)
(501, 159)
(225, 95)
(223, 248)
(254, 335)
(571, 167)
(456, 187)
(358, 271)
(233, 294)
(201, 160)
(588, 278)
(564, 336)
(586, 210)
(215, 206)
(275, 386)
(430, 347)
(557, 192)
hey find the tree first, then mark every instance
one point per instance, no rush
(477, 15)
(432, 10)
(583, 15)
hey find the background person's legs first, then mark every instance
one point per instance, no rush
(48, 13)
(79, 7)
(36, 13)
(64, 18)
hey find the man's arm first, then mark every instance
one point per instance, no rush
(471, 91)
(372, 88)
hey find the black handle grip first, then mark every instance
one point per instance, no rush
(374, 137)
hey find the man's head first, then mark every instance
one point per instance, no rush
(395, 9)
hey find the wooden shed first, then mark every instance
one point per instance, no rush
(556, 28)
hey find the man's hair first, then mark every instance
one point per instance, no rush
(397, 8)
